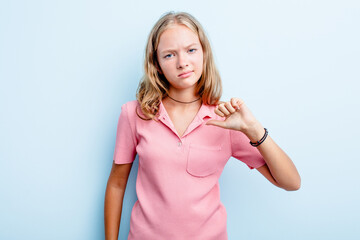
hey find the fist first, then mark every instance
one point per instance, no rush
(237, 115)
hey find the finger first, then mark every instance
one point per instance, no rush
(223, 109)
(218, 112)
(216, 123)
(236, 102)
(229, 107)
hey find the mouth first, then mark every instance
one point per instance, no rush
(185, 74)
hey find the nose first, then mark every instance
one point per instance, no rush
(182, 60)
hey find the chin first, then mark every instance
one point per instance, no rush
(189, 85)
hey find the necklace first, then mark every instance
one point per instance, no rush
(184, 102)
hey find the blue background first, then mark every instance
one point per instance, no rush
(66, 67)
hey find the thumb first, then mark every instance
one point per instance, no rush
(216, 123)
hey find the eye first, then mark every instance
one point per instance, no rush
(167, 56)
(192, 50)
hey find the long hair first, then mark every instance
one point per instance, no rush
(153, 86)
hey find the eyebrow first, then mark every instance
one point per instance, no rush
(171, 50)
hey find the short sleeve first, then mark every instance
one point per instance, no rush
(125, 145)
(243, 151)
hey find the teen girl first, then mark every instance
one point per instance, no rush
(184, 136)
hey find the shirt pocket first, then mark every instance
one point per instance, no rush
(203, 161)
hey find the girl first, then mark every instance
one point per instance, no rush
(184, 136)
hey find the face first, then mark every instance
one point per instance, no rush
(180, 57)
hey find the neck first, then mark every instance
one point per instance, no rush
(184, 102)
(187, 96)
(170, 103)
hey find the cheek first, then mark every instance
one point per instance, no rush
(165, 67)
(200, 61)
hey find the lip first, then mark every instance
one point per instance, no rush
(185, 74)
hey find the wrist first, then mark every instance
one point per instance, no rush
(254, 132)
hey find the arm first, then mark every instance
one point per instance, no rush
(279, 169)
(114, 196)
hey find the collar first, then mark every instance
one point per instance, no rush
(204, 111)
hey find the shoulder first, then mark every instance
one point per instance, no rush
(129, 109)
(131, 105)
(211, 108)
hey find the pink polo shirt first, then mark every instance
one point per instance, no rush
(177, 183)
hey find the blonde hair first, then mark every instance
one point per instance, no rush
(153, 86)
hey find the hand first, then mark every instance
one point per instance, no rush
(237, 117)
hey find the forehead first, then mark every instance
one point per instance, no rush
(177, 36)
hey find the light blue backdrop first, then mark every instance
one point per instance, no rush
(66, 67)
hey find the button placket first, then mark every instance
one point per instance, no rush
(182, 145)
